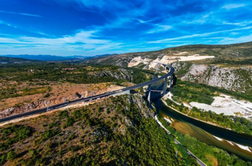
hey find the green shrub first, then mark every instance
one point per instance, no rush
(63, 114)
(3, 158)
(69, 122)
(47, 95)
(19, 132)
(11, 155)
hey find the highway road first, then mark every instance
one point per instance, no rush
(99, 96)
(87, 99)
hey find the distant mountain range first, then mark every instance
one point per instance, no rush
(10, 60)
(47, 57)
(221, 51)
(240, 50)
(54, 57)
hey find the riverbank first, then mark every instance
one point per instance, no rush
(207, 122)
(201, 163)
(227, 105)
(205, 132)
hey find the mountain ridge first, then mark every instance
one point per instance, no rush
(45, 57)
(224, 66)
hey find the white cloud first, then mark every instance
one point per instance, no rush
(199, 35)
(80, 37)
(147, 21)
(79, 43)
(232, 23)
(234, 33)
(100, 5)
(243, 23)
(92, 3)
(233, 6)
(196, 19)
(159, 28)
(242, 39)
(7, 24)
(24, 14)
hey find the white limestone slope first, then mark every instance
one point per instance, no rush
(166, 59)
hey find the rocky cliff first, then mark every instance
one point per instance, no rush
(120, 74)
(230, 78)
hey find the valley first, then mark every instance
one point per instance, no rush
(200, 85)
(125, 83)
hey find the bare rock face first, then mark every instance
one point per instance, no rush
(36, 105)
(7, 112)
(142, 106)
(224, 78)
(120, 74)
(180, 66)
(25, 108)
(196, 72)
(230, 78)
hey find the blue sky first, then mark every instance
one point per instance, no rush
(93, 27)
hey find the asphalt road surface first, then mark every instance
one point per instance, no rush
(87, 99)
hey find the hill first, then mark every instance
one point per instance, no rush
(48, 57)
(113, 131)
(116, 131)
(9, 60)
(224, 66)
(241, 50)
(25, 87)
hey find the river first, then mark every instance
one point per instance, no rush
(203, 131)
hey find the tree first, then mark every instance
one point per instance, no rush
(11, 155)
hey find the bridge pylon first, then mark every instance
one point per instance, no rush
(149, 95)
(165, 86)
(171, 81)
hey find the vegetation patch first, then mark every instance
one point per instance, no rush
(112, 132)
(237, 124)
(187, 92)
(210, 155)
(191, 91)
(14, 134)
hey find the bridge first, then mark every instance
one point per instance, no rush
(170, 73)
(167, 77)
(163, 91)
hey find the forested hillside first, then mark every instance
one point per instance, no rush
(116, 131)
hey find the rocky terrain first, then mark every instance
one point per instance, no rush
(230, 78)
(224, 66)
(59, 94)
(27, 87)
(120, 74)
(243, 50)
